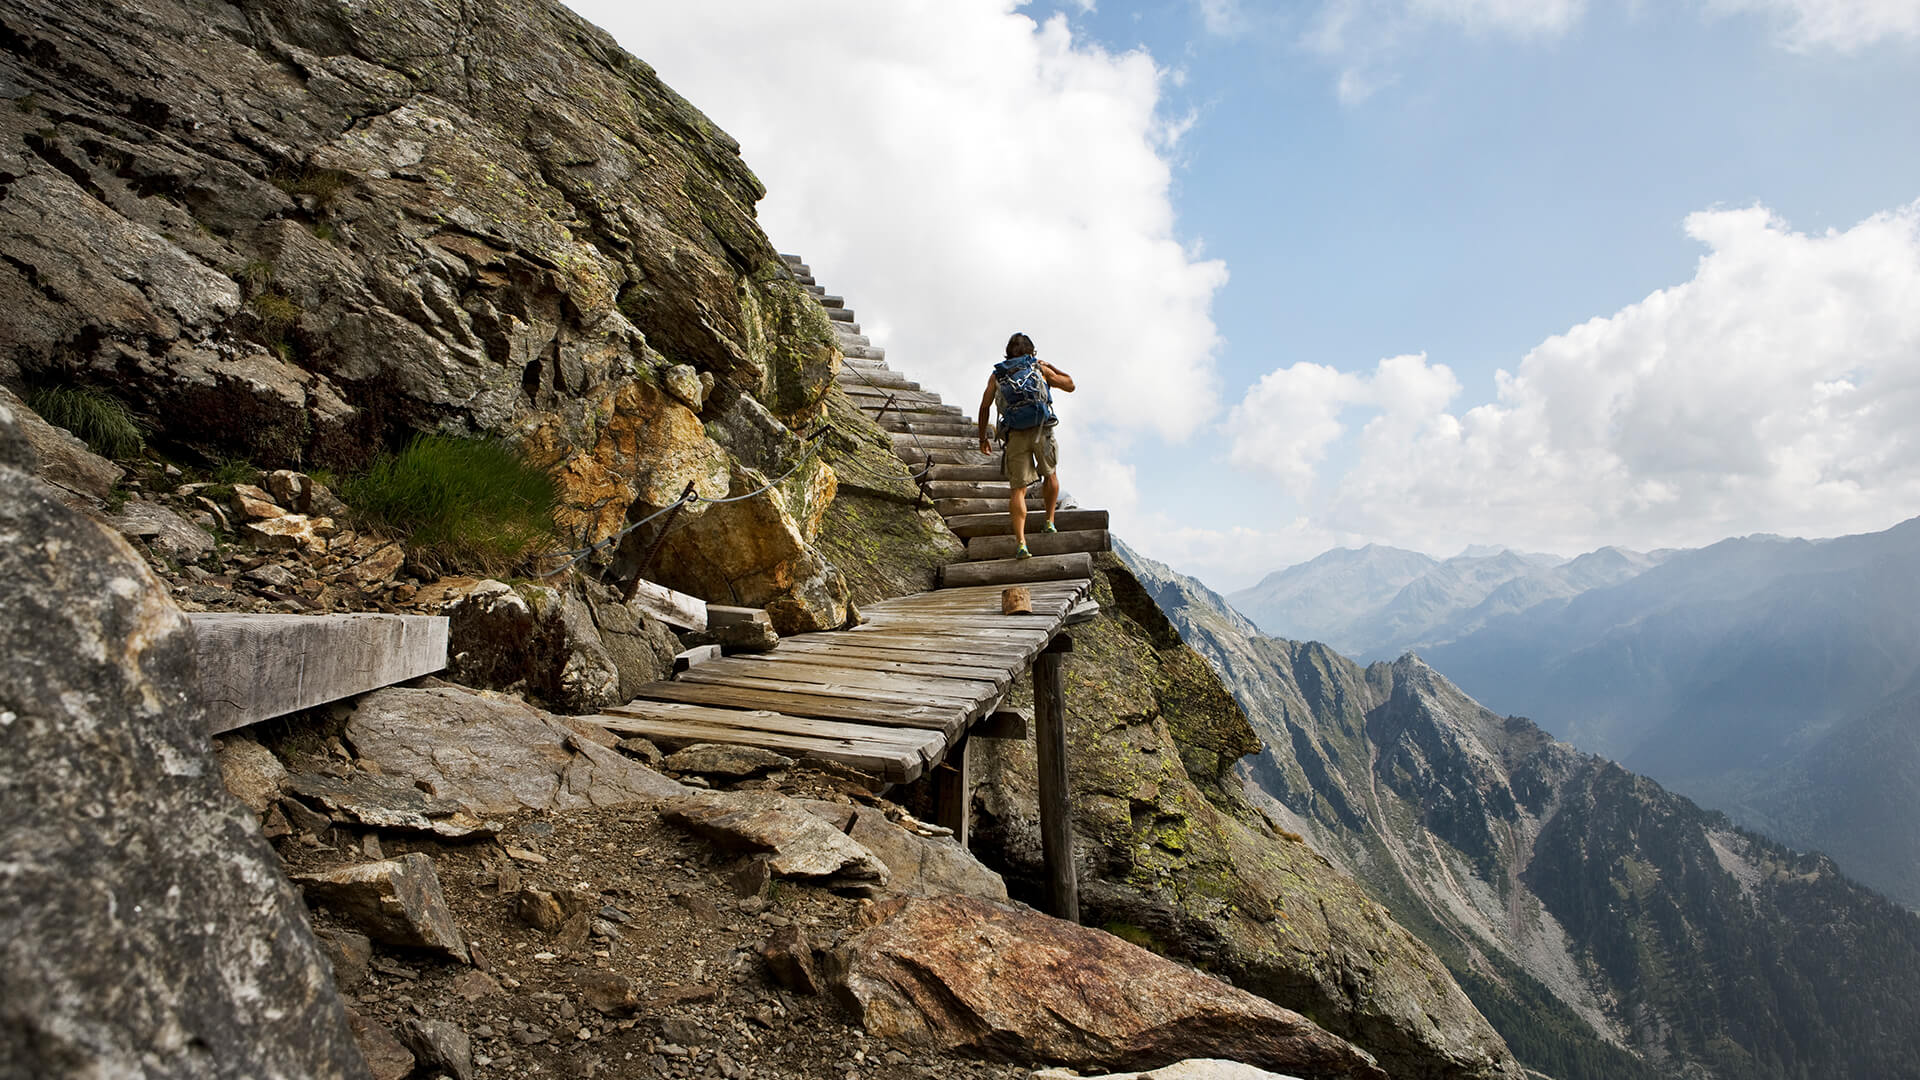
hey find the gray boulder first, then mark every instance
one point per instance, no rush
(145, 929)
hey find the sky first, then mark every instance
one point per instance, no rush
(1552, 274)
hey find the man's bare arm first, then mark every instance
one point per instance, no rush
(1056, 378)
(986, 404)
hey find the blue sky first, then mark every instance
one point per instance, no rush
(1289, 260)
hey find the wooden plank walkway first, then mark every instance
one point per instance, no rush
(890, 697)
(896, 695)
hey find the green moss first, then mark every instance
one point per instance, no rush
(322, 185)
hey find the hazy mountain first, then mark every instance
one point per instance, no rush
(1608, 927)
(1378, 602)
(1761, 675)
(1330, 597)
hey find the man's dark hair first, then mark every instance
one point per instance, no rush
(1019, 345)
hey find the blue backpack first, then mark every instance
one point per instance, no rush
(1022, 395)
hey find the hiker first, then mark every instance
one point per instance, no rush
(1021, 387)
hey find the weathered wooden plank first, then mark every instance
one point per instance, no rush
(695, 656)
(846, 682)
(1056, 820)
(949, 508)
(942, 718)
(844, 659)
(936, 442)
(1018, 571)
(928, 743)
(1039, 543)
(915, 397)
(953, 792)
(720, 616)
(891, 380)
(996, 522)
(253, 667)
(978, 473)
(673, 608)
(961, 622)
(940, 490)
(894, 762)
(883, 651)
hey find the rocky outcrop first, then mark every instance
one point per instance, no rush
(328, 228)
(798, 844)
(144, 925)
(1171, 853)
(1017, 985)
(494, 754)
(576, 648)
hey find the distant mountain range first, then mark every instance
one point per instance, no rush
(1775, 679)
(1608, 927)
(1378, 602)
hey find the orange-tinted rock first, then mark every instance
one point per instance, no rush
(969, 975)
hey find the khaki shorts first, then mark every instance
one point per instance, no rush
(1030, 454)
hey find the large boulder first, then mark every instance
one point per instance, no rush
(494, 754)
(964, 974)
(145, 929)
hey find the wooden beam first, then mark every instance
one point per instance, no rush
(1018, 571)
(996, 523)
(1001, 724)
(1039, 543)
(253, 667)
(943, 718)
(699, 654)
(1050, 744)
(721, 615)
(673, 608)
(953, 792)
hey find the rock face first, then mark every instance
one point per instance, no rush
(145, 929)
(1613, 927)
(1013, 984)
(493, 754)
(329, 227)
(1172, 853)
(576, 650)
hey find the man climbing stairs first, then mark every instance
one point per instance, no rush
(937, 441)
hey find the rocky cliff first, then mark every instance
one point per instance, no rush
(296, 233)
(1607, 926)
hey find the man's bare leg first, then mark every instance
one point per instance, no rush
(1017, 514)
(1050, 489)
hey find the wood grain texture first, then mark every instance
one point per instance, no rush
(254, 667)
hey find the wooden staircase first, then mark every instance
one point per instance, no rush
(938, 441)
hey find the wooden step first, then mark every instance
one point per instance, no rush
(901, 424)
(847, 337)
(950, 508)
(1039, 543)
(879, 380)
(840, 314)
(1017, 571)
(873, 353)
(938, 442)
(968, 526)
(942, 456)
(977, 473)
(832, 301)
(969, 489)
(900, 394)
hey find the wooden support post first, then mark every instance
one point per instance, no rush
(953, 791)
(1056, 820)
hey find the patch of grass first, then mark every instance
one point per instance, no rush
(101, 422)
(465, 504)
(322, 184)
(278, 313)
(323, 230)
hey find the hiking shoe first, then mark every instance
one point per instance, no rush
(1048, 527)
(1022, 553)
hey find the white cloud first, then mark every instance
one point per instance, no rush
(1841, 25)
(960, 172)
(1775, 392)
(1366, 38)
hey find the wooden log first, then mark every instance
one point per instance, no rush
(913, 456)
(720, 616)
(1016, 600)
(894, 423)
(1001, 724)
(904, 397)
(949, 508)
(953, 792)
(997, 523)
(1056, 822)
(1039, 543)
(881, 378)
(253, 667)
(968, 489)
(977, 473)
(673, 608)
(942, 718)
(937, 442)
(1018, 571)
(699, 654)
